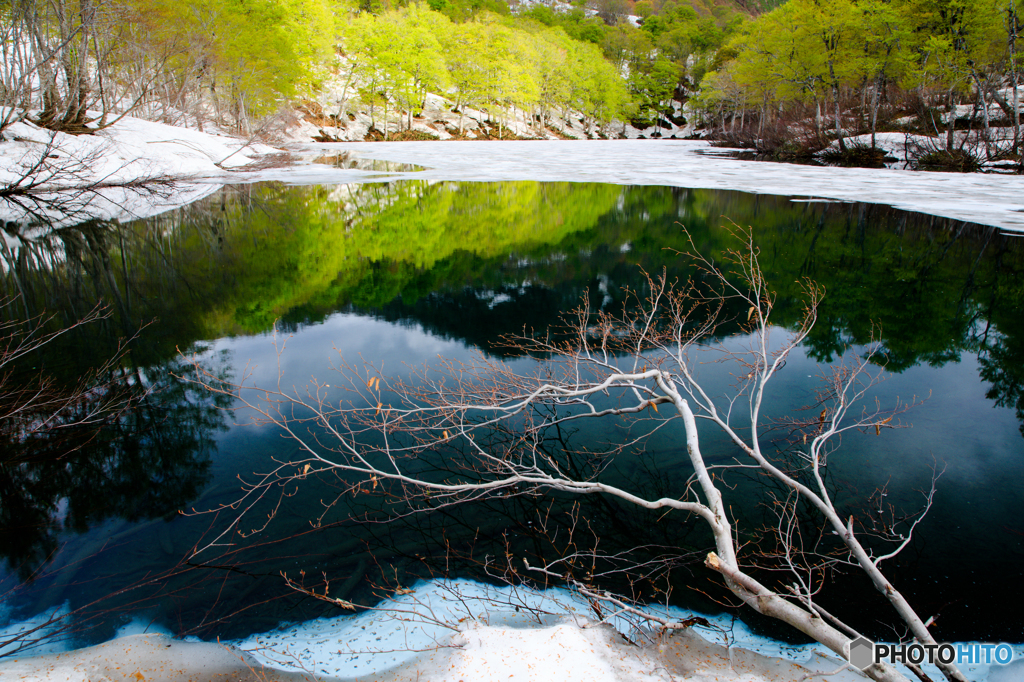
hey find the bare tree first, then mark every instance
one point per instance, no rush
(75, 66)
(625, 367)
(54, 184)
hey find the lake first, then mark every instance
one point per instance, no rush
(398, 274)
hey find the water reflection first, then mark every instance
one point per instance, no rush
(354, 161)
(404, 271)
(141, 462)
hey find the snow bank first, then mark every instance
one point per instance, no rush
(562, 653)
(468, 630)
(134, 169)
(464, 630)
(131, 150)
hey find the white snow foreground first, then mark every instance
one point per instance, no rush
(462, 631)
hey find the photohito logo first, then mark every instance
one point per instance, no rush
(863, 653)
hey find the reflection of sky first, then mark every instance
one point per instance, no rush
(353, 338)
(309, 354)
(954, 425)
(957, 427)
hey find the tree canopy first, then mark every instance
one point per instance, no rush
(889, 54)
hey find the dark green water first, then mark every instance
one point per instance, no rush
(400, 273)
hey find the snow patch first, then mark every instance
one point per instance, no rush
(130, 151)
(562, 653)
(987, 199)
(465, 630)
(45, 627)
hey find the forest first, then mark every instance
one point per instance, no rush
(932, 67)
(796, 76)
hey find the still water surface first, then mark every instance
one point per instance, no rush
(400, 273)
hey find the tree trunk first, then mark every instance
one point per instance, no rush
(983, 103)
(817, 116)
(874, 109)
(951, 122)
(863, 103)
(47, 78)
(838, 115)
(1012, 23)
(76, 114)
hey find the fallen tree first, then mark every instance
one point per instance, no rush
(620, 367)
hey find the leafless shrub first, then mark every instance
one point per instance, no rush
(467, 432)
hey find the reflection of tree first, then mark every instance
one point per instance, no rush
(472, 260)
(144, 462)
(66, 271)
(1002, 365)
(237, 261)
(921, 283)
(1001, 341)
(135, 444)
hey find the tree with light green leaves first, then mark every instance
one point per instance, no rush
(551, 62)
(808, 50)
(509, 81)
(492, 63)
(596, 89)
(962, 48)
(250, 57)
(824, 52)
(887, 59)
(463, 45)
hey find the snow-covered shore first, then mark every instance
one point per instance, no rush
(190, 164)
(132, 150)
(134, 169)
(463, 630)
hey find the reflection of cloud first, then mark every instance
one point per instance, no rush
(387, 345)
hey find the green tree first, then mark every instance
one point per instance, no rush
(508, 77)
(596, 88)
(250, 56)
(398, 57)
(887, 59)
(961, 46)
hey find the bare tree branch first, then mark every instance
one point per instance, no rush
(639, 367)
